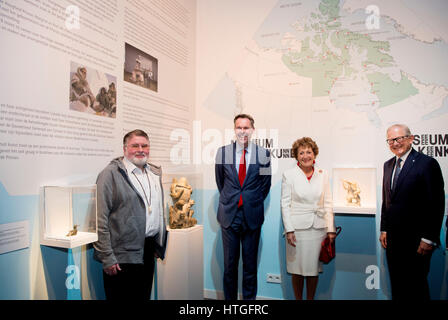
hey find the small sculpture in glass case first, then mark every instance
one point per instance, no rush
(353, 191)
(73, 232)
(181, 214)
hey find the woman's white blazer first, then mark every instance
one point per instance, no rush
(306, 204)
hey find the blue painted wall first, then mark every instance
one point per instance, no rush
(344, 278)
(15, 266)
(14, 275)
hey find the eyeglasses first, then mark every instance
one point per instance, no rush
(137, 146)
(397, 140)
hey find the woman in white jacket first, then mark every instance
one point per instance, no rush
(307, 212)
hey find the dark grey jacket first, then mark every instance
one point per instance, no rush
(122, 217)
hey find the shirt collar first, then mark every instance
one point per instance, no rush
(405, 156)
(239, 148)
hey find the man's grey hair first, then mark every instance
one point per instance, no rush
(406, 129)
(137, 132)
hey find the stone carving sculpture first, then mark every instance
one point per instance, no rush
(73, 232)
(181, 214)
(353, 191)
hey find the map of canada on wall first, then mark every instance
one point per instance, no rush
(346, 55)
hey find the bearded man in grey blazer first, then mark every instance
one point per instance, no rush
(131, 221)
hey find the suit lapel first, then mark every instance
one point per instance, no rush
(408, 165)
(388, 169)
(231, 161)
(252, 161)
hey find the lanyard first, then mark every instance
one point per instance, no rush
(148, 200)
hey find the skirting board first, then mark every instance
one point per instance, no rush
(219, 295)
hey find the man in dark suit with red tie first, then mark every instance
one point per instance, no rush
(243, 177)
(411, 214)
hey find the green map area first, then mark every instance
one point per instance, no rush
(333, 58)
(389, 91)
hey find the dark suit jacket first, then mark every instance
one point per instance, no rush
(416, 207)
(254, 190)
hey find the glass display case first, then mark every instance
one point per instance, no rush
(354, 190)
(69, 216)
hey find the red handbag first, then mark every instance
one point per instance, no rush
(328, 249)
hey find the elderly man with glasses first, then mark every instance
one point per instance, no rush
(131, 221)
(411, 214)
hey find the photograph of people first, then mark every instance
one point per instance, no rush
(140, 68)
(307, 212)
(85, 83)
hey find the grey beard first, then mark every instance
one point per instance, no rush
(139, 162)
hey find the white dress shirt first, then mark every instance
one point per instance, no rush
(403, 159)
(149, 194)
(238, 154)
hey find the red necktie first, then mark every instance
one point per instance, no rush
(242, 174)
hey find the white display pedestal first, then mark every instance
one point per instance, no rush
(180, 275)
(63, 207)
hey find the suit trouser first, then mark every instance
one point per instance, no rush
(134, 281)
(232, 237)
(408, 273)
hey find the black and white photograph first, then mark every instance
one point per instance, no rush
(92, 91)
(140, 68)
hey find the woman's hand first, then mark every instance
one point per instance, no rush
(331, 236)
(383, 239)
(291, 238)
